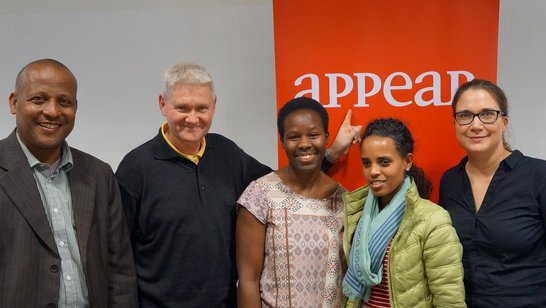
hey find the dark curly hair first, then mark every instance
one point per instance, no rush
(301, 103)
(401, 135)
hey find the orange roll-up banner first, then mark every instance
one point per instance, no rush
(386, 58)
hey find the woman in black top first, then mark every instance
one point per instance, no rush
(497, 200)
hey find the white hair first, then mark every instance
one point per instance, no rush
(187, 73)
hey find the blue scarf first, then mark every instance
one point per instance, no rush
(373, 233)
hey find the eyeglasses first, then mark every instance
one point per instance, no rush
(485, 116)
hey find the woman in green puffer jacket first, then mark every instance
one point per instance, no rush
(401, 248)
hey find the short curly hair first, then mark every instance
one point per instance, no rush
(298, 104)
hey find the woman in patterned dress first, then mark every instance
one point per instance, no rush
(289, 224)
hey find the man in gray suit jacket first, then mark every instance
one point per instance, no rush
(63, 237)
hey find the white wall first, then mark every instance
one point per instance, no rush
(119, 50)
(522, 72)
(119, 56)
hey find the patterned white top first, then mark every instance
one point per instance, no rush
(303, 261)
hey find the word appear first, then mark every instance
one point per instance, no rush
(397, 81)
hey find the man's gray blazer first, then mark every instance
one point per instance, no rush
(29, 261)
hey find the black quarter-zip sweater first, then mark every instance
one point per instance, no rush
(181, 218)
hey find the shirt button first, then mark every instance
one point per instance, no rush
(68, 278)
(202, 187)
(56, 210)
(54, 268)
(61, 243)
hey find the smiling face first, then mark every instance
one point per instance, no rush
(304, 140)
(383, 166)
(188, 110)
(478, 137)
(44, 104)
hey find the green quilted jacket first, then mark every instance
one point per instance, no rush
(424, 268)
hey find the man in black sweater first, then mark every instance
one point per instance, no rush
(179, 192)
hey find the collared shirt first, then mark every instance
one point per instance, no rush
(54, 188)
(194, 158)
(504, 243)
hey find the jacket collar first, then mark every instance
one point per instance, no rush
(354, 200)
(19, 185)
